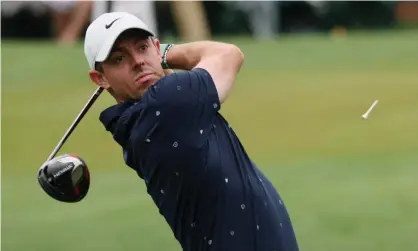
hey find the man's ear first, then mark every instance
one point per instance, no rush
(99, 79)
(157, 45)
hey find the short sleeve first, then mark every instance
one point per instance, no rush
(188, 102)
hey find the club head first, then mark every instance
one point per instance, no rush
(65, 178)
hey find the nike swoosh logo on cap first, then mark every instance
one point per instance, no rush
(107, 26)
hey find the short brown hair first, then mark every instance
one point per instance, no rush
(98, 67)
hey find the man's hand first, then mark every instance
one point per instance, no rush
(168, 71)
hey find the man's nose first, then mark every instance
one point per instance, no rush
(138, 60)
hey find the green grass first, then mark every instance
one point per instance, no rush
(349, 184)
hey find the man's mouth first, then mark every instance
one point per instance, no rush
(141, 79)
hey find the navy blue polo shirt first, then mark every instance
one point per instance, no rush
(196, 170)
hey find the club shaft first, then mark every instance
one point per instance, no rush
(77, 120)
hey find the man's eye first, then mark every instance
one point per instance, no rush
(118, 59)
(143, 47)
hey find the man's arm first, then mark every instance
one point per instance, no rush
(223, 62)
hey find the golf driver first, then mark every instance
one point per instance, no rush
(66, 177)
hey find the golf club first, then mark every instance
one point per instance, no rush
(66, 178)
(92, 99)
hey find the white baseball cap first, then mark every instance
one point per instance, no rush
(103, 32)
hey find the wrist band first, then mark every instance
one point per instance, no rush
(164, 50)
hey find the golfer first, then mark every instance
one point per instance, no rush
(172, 135)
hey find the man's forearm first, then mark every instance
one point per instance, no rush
(221, 60)
(187, 56)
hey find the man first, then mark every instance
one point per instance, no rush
(69, 18)
(196, 170)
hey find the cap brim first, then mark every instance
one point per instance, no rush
(115, 33)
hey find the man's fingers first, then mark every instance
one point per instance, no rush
(168, 71)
